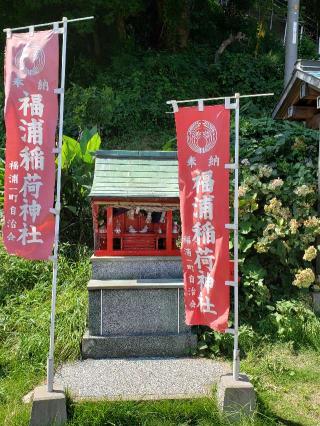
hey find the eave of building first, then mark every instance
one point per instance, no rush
(136, 154)
(305, 72)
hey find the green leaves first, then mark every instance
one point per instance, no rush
(245, 244)
(293, 321)
(93, 145)
(82, 150)
(86, 137)
(77, 175)
(245, 228)
(70, 150)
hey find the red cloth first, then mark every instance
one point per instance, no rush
(31, 112)
(203, 151)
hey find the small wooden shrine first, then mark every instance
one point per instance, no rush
(135, 203)
(300, 99)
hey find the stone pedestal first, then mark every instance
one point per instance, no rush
(316, 301)
(236, 398)
(48, 408)
(136, 317)
(136, 267)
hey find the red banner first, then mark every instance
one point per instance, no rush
(203, 151)
(31, 111)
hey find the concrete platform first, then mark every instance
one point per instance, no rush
(142, 378)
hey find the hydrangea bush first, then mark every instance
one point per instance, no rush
(278, 211)
(278, 231)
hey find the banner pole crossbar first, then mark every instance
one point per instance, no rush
(47, 24)
(174, 102)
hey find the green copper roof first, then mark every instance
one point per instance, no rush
(135, 174)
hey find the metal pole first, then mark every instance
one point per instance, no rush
(236, 352)
(50, 363)
(291, 38)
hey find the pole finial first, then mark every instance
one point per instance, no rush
(8, 32)
(174, 105)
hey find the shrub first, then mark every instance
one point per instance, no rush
(278, 226)
(87, 107)
(292, 321)
(277, 210)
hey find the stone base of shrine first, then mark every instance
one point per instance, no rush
(136, 267)
(169, 345)
(137, 318)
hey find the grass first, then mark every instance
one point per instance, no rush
(25, 320)
(202, 412)
(287, 383)
(287, 380)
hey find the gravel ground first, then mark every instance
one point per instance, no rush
(142, 378)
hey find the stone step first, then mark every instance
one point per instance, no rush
(136, 267)
(162, 345)
(146, 378)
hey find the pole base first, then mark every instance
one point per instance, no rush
(236, 398)
(48, 408)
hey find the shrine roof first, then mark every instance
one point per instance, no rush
(135, 174)
(305, 73)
